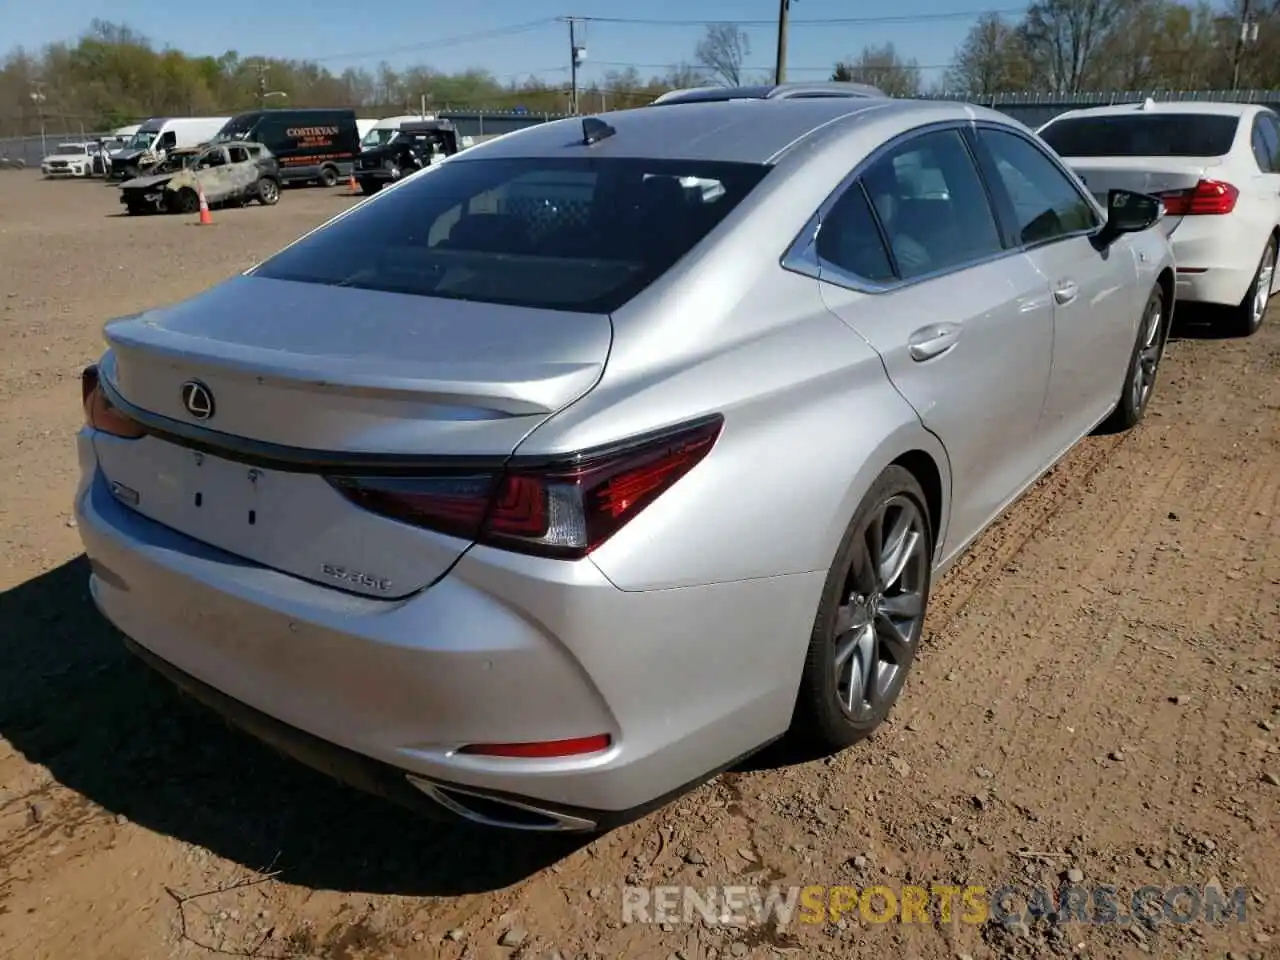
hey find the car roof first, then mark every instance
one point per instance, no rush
(743, 131)
(776, 91)
(1181, 107)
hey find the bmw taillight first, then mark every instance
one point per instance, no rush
(1208, 197)
(562, 507)
(100, 413)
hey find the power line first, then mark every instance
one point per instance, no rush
(492, 34)
(827, 22)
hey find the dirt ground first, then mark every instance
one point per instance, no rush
(1099, 697)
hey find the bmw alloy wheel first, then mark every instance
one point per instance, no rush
(1262, 287)
(1147, 359)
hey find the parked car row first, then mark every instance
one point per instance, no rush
(563, 474)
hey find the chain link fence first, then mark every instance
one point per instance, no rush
(27, 152)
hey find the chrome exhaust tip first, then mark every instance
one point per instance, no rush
(490, 811)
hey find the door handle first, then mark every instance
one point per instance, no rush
(1065, 292)
(933, 340)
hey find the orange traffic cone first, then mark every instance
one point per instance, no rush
(206, 219)
(352, 184)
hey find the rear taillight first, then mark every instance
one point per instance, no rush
(1208, 197)
(100, 413)
(564, 508)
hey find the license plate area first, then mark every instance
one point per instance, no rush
(221, 502)
(292, 522)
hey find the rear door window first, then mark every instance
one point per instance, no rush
(570, 234)
(1139, 135)
(932, 205)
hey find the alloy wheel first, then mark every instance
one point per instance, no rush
(881, 619)
(1147, 359)
(1262, 288)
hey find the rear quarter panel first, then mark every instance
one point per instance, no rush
(810, 421)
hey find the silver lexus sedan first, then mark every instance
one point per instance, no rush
(565, 473)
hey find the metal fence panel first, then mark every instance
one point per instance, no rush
(1032, 109)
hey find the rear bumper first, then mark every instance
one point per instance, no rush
(503, 649)
(1220, 286)
(1217, 258)
(431, 798)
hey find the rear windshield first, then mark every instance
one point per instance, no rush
(582, 234)
(1135, 135)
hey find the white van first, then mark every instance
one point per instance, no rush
(383, 130)
(364, 126)
(156, 137)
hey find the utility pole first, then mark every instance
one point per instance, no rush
(1248, 34)
(38, 98)
(576, 55)
(780, 67)
(261, 67)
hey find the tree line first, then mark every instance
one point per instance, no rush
(113, 75)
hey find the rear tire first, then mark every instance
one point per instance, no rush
(1247, 317)
(328, 176)
(370, 187)
(1144, 365)
(870, 618)
(268, 192)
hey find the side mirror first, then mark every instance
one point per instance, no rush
(1128, 212)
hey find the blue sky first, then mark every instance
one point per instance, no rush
(451, 36)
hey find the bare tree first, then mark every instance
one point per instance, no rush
(992, 59)
(883, 68)
(1065, 37)
(685, 75)
(723, 51)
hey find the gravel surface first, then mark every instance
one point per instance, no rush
(1097, 702)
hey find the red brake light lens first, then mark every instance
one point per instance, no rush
(1206, 198)
(566, 508)
(100, 413)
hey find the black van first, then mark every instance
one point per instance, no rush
(315, 145)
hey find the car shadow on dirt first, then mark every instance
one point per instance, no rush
(1195, 321)
(73, 700)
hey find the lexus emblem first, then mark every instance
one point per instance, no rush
(197, 399)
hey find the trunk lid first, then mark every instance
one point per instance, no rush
(1152, 175)
(303, 373)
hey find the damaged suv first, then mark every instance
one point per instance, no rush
(228, 174)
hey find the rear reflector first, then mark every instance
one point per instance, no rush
(544, 749)
(100, 414)
(565, 508)
(1207, 198)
